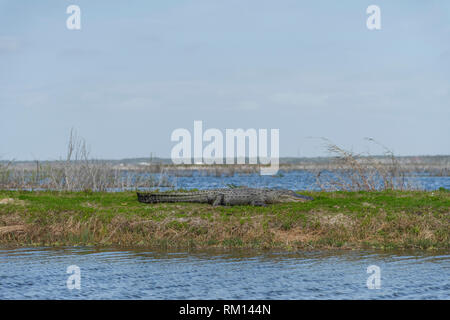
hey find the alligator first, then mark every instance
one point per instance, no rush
(226, 197)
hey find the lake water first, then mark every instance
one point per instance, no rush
(294, 180)
(41, 273)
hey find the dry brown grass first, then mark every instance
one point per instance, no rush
(344, 230)
(78, 171)
(355, 172)
(333, 220)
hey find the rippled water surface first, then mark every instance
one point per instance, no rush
(294, 180)
(40, 273)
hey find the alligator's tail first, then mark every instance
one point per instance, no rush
(171, 197)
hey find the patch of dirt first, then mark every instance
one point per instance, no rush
(11, 201)
(7, 201)
(9, 229)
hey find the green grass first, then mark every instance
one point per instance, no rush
(389, 219)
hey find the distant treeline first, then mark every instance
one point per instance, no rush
(442, 161)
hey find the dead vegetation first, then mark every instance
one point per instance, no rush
(356, 172)
(78, 172)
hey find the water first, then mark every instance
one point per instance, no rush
(197, 179)
(40, 273)
(294, 180)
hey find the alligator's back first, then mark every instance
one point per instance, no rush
(157, 197)
(225, 197)
(216, 196)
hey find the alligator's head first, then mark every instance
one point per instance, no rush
(290, 196)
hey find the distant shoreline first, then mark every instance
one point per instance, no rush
(419, 159)
(432, 165)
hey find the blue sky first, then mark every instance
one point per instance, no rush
(138, 70)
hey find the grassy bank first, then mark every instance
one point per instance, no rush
(390, 219)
